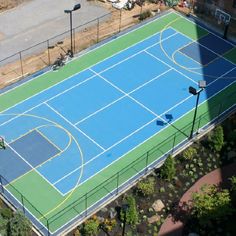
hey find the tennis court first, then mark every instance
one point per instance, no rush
(69, 132)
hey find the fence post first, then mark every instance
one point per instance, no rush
(49, 59)
(117, 183)
(22, 202)
(21, 65)
(86, 204)
(120, 21)
(98, 29)
(74, 41)
(48, 228)
(218, 116)
(173, 147)
(146, 169)
(1, 182)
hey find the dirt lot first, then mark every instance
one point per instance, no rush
(8, 4)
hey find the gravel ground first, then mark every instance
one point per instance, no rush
(37, 20)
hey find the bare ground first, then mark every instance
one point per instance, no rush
(9, 4)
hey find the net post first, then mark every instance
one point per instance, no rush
(1, 182)
(117, 183)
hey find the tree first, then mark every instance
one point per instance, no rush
(216, 139)
(233, 189)
(19, 225)
(3, 226)
(212, 204)
(131, 213)
(168, 170)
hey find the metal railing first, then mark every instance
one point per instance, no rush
(43, 54)
(123, 179)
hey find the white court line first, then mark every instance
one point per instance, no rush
(205, 28)
(155, 78)
(90, 51)
(171, 67)
(89, 78)
(18, 154)
(113, 85)
(196, 41)
(95, 157)
(58, 113)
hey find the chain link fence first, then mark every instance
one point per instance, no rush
(123, 179)
(44, 54)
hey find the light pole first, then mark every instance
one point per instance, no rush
(75, 8)
(202, 86)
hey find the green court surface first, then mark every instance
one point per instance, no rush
(54, 210)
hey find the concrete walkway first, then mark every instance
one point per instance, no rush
(38, 20)
(219, 176)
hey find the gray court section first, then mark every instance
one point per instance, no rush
(38, 20)
(34, 148)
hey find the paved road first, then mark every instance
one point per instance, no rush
(38, 20)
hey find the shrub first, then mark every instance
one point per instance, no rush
(76, 233)
(6, 213)
(189, 154)
(146, 187)
(211, 204)
(90, 226)
(3, 226)
(233, 189)
(131, 213)
(20, 225)
(145, 15)
(168, 170)
(216, 139)
(109, 225)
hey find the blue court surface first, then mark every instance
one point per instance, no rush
(73, 130)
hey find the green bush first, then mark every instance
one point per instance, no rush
(90, 227)
(131, 213)
(189, 154)
(20, 225)
(233, 189)
(211, 204)
(6, 213)
(145, 15)
(216, 139)
(3, 226)
(146, 187)
(168, 170)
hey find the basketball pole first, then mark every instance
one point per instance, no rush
(226, 31)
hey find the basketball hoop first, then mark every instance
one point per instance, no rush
(222, 17)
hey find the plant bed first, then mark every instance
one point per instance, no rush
(158, 195)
